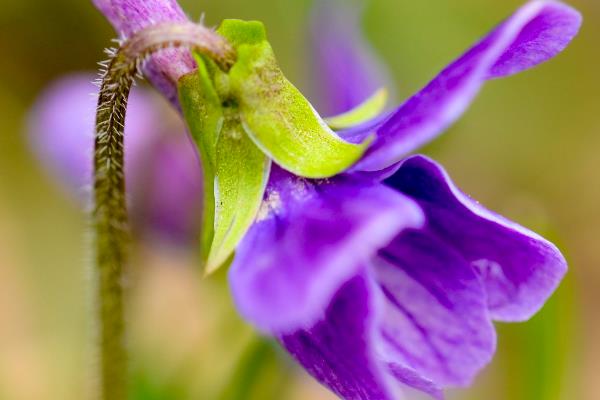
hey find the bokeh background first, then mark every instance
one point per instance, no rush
(528, 148)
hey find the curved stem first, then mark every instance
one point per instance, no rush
(110, 208)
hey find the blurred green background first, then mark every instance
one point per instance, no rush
(529, 148)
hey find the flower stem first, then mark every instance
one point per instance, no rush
(110, 206)
(112, 236)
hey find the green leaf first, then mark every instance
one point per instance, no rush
(275, 115)
(204, 116)
(242, 171)
(364, 112)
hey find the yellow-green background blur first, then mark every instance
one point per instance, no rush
(528, 148)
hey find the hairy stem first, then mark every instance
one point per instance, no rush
(110, 206)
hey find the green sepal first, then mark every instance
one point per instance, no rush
(367, 110)
(235, 170)
(203, 113)
(239, 32)
(240, 180)
(276, 116)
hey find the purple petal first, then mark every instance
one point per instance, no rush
(311, 237)
(535, 33)
(343, 351)
(416, 317)
(162, 169)
(518, 268)
(347, 71)
(435, 322)
(129, 16)
(540, 40)
(339, 350)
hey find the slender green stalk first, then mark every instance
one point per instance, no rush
(110, 206)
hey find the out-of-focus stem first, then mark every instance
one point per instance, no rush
(110, 206)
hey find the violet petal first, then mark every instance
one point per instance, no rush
(535, 33)
(435, 321)
(343, 351)
(518, 268)
(339, 350)
(310, 237)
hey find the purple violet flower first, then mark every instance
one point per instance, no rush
(163, 173)
(388, 277)
(376, 284)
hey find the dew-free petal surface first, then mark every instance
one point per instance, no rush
(435, 320)
(518, 268)
(535, 33)
(309, 239)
